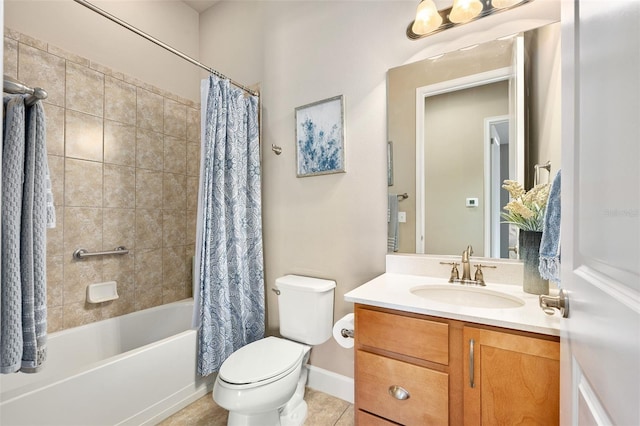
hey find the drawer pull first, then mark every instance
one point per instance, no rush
(471, 363)
(398, 392)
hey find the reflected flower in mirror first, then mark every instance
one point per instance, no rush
(526, 208)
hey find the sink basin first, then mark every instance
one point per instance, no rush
(467, 296)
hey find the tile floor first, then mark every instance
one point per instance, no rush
(324, 410)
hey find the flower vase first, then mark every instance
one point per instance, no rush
(530, 255)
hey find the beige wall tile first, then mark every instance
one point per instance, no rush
(85, 90)
(192, 218)
(55, 241)
(174, 228)
(119, 186)
(83, 229)
(77, 314)
(42, 69)
(119, 143)
(56, 173)
(149, 150)
(175, 155)
(67, 55)
(148, 228)
(10, 57)
(82, 183)
(83, 136)
(118, 229)
(193, 125)
(120, 269)
(54, 319)
(150, 110)
(174, 266)
(148, 189)
(55, 279)
(175, 119)
(119, 101)
(174, 191)
(193, 159)
(55, 129)
(192, 192)
(78, 274)
(33, 42)
(148, 275)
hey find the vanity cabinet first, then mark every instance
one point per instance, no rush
(412, 369)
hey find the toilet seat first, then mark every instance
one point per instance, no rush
(261, 362)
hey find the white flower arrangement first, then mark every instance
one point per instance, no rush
(526, 209)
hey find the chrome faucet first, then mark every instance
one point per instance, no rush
(466, 266)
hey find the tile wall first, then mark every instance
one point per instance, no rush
(124, 162)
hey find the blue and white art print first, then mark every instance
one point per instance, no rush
(320, 137)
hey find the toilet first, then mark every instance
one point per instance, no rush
(263, 383)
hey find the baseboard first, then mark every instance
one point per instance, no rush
(331, 383)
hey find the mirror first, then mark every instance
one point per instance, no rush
(457, 132)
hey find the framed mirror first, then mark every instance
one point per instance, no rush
(460, 125)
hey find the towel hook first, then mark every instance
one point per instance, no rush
(277, 149)
(536, 173)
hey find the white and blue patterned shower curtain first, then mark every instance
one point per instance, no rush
(229, 277)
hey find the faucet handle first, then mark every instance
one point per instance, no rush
(479, 276)
(454, 270)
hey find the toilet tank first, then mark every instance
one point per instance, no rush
(305, 307)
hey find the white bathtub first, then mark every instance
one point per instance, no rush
(131, 370)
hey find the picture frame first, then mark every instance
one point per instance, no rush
(320, 137)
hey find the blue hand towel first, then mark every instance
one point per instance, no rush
(550, 244)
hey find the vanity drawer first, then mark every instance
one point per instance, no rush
(428, 390)
(365, 419)
(418, 338)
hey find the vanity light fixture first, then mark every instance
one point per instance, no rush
(501, 4)
(465, 10)
(429, 20)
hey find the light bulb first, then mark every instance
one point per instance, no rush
(464, 10)
(427, 18)
(501, 4)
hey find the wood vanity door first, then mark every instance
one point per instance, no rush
(510, 379)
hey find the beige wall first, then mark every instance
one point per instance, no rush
(545, 100)
(454, 165)
(74, 28)
(124, 162)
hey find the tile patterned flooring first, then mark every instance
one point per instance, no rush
(324, 410)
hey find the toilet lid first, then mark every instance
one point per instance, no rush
(260, 360)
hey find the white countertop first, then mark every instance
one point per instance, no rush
(391, 290)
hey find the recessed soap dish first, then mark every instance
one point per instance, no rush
(102, 292)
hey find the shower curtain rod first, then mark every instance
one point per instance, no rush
(161, 44)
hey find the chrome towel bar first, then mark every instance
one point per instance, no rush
(83, 253)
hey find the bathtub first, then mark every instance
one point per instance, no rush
(136, 369)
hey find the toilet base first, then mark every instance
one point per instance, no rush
(270, 418)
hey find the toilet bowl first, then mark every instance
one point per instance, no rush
(258, 380)
(263, 383)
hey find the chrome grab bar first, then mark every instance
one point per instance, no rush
(83, 253)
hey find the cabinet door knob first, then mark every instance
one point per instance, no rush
(398, 392)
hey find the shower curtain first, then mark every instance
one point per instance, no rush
(27, 210)
(228, 271)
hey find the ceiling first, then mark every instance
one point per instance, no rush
(200, 5)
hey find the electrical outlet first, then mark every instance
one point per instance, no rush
(402, 217)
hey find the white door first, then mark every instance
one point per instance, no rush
(600, 357)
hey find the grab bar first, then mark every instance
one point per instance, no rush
(83, 253)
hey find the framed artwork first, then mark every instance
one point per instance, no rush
(320, 137)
